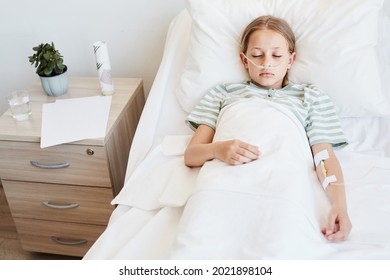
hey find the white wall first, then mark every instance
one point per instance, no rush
(133, 29)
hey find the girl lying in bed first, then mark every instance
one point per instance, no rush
(267, 53)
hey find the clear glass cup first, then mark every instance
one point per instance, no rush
(19, 103)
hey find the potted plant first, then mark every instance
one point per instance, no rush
(50, 68)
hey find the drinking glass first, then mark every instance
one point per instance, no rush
(19, 102)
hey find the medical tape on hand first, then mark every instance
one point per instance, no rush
(328, 180)
(320, 165)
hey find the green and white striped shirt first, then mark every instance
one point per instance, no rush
(313, 108)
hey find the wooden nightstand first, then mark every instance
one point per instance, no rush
(64, 210)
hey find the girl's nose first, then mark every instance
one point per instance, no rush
(266, 61)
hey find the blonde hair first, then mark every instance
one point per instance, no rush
(269, 22)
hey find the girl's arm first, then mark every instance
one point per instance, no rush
(202, 148)
(338, 226)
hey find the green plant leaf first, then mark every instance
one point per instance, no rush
(47, 60)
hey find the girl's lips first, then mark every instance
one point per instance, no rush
(266, 74)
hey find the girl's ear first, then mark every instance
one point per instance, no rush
(244, 60)
(291, 60)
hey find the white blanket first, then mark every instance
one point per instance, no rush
(271, 207)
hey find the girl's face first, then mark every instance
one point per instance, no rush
(267, 58)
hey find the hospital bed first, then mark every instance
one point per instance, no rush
(163, 212)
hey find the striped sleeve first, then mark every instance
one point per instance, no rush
(207, 110)
(323, 124)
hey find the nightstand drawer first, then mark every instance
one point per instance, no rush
(59, 202)
(57, 237)
(63, 164)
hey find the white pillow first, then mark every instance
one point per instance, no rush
(384, 54)
(336, 49)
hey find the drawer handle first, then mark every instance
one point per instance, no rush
(59, 206)
(69, 243)
(54, 166)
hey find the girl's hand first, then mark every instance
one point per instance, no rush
(235, 152)
(202, 148)
(339, 226)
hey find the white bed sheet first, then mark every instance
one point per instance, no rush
(145, 223)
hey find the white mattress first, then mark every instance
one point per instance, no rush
(145, 223)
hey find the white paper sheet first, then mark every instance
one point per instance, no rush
(69, 120)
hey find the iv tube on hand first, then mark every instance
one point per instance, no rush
(262, 66)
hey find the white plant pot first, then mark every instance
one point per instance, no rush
(56, 85)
